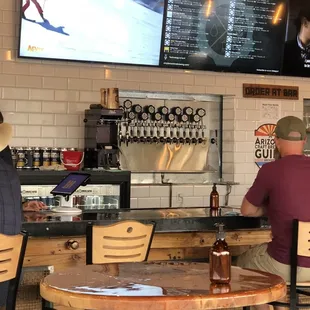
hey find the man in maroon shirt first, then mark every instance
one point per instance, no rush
(280, 191)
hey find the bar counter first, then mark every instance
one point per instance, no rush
(58, 239)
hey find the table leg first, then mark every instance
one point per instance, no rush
(46, 305)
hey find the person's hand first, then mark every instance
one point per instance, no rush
(34, 206)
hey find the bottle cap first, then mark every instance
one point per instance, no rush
(220, 233)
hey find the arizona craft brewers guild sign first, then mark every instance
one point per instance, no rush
(264, 144)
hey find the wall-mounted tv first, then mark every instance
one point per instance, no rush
(219, 35)
(110, 31)
(296, 60)
(229, 35)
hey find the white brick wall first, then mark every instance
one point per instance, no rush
(44, 100)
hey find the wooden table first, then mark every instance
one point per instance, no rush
(158, 286)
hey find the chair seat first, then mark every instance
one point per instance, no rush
(299, 284)
(302, 298)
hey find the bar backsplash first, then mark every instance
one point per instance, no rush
(45, 102)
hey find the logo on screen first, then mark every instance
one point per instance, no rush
(32, 48)
(264, 144)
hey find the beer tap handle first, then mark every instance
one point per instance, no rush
(136, 108)
(148, 133)
(201, 112)
(188, 111)
(149, 109)
(127, 138)
(127, 104)
(144, 130)
(184, 131)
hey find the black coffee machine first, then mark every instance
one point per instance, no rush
(101, 137)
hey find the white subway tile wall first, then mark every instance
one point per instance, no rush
(45, 101)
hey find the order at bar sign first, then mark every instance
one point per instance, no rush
(271, 91)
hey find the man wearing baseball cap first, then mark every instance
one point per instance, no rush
(10, 193)
(281, 191)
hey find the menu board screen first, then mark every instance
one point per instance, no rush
(221, 35)
(226, 35)
(296, 60)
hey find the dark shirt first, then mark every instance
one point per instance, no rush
(293, 63)
(7, 156)
(283, 187)
(10, 208)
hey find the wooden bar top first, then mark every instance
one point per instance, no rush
(49, 224)
(160, 286)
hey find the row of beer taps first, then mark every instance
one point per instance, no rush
(161, 125)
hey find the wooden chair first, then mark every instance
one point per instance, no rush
(301, 247)
(12, 253)
(126, 241)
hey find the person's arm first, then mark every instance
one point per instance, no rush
(253, 202)
(248, 209)
(33, 206)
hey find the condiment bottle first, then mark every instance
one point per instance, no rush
(214, 201)
(220, 259)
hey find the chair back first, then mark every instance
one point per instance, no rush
(303, 243)
(12, 253)
(126, 241)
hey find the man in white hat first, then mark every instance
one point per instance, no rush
(10, 193)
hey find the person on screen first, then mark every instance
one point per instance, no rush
(38, 6)
(297, 51)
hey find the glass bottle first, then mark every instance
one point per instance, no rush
(214, 201)
(220, 288)
(220, 259)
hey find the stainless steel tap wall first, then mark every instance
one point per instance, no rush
(176, 146)
(165, 157)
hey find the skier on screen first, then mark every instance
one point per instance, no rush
(38, 6)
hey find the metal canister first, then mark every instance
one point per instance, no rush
(21, 160)
(61, 153)
(29, 158)
(51, 201)
(112, 98)
(44, 199)
(55, 156)
(46, 157)
(14, 156)
(104, 99)
(37, 158)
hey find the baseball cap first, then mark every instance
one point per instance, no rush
(5, 133)
(291, 128)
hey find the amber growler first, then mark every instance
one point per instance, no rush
(214, 202)
(220, 259)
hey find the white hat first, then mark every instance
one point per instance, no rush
(6, 133)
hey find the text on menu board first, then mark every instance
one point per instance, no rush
(270, 91)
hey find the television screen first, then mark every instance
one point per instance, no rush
(229, 35)
(116, 31)
(296, 60)
(221, 35)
